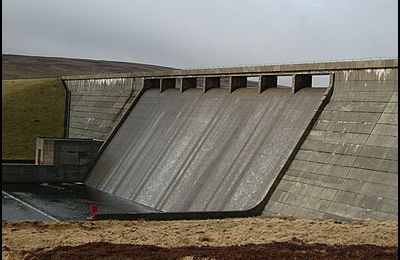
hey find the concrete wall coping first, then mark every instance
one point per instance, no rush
(68, 139)
(30, 173)
(256, 70)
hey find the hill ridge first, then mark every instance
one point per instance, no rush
(15, 66)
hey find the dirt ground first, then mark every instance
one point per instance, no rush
(277, 250)
(260, 235)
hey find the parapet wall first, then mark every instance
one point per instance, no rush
(347, 168)
(250, 70)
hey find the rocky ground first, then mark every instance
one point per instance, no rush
(251, 238)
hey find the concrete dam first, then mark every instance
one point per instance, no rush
(181, 141)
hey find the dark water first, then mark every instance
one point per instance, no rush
(62, 201)
(14, 210)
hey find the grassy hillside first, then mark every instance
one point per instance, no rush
(33, 99)
(31, 108)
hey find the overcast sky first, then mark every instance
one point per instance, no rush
(185, 33)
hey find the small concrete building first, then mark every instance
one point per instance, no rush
(71, 151)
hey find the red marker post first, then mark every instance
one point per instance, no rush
(93, 210)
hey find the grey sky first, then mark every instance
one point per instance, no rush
(185, 33)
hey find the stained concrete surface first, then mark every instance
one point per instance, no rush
(62, 201)
(347, 168)
(97, 105)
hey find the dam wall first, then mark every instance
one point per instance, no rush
(347, 168)
(205, 141)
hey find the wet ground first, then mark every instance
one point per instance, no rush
(62, 201)
(277, 250)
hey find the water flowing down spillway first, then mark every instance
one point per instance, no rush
(213, 151)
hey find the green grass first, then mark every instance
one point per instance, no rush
(31, 108)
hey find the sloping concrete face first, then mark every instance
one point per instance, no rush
(96, 105)
(195, 151)
(347, 168)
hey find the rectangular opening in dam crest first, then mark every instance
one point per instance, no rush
(284, 81)
(320, 81)
(252, 82)
(224, 82)
(151, 83)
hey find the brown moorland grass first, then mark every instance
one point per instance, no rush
(32, 67)
(30, 108)
(22, 237)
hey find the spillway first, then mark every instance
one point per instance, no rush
(196, 152)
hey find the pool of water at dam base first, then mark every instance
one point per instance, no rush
(62, 201)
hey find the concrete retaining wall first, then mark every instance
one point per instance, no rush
(43, 174)
(71, 151)
(347, 167)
